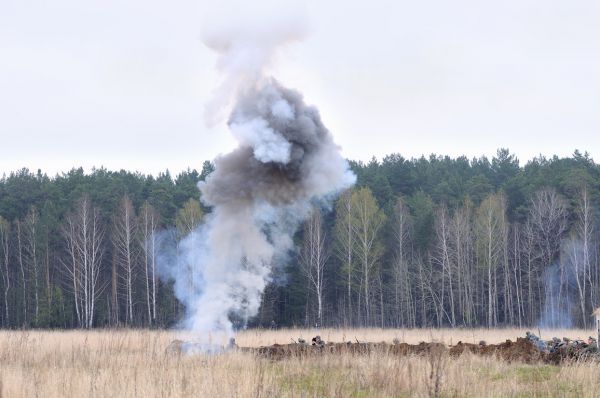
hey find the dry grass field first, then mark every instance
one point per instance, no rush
(134, 364)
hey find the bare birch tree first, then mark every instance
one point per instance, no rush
(126, 250)
(516, 262)
(18, 223)
(367, 220)
(4, 269)
(441, 258)
(462, 237)
(73, 267)
(491, 233)
(313, 258)
(31, 246)
(403, 295)
(582, 262)
(548, 216)
(84, 234)
(548, 225)
(149, 226)
(344, 248)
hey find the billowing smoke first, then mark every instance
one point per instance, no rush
(286, 161)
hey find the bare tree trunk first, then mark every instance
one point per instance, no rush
(548, 220)
(462, 254)
(367, 220)
(314, 258)
(344, 247)
(491, 247)
(154, 278)
(582, 265)
(150, 228)
(74, 268)
(146, 237)
(95, 264)
(115, 289)
(4, 245)
(442, 258)
(422, 291)
(22, 269)
(516, 267)
(401, 232)
(31, 224)
(84, 235)
(123, 240)
(350, 243)
(47, 268)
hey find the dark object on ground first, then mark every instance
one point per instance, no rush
(316, 341)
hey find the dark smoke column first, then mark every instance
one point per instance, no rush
(285, 156)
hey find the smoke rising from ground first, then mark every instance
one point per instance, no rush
(285, 162)
(563, 284)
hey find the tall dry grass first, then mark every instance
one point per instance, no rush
(134, 364)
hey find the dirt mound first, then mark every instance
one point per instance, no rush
(281, 351)
(522, 350)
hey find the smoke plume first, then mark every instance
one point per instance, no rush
(564, 281)
(286, 161)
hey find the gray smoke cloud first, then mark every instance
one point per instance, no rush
(285, 162)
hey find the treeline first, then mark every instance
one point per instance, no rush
(451, 242)
(418, 242)
(79, 250)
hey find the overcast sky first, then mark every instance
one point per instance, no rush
(123, 84)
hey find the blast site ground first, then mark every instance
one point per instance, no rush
(132, 363)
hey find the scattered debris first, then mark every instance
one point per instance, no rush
(557, 350)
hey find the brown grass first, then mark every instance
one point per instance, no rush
(134, 364)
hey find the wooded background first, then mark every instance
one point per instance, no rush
(420, 242)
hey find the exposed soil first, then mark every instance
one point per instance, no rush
(281, 351)
(522, 350)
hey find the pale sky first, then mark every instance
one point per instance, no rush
(123, 84)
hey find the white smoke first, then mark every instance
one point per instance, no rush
(246, 36)
(286, 160)
(268, 145)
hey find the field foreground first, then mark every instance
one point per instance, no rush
(135, 363)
